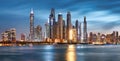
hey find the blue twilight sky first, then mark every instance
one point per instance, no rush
(102, 15)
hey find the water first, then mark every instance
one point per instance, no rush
(61, 53)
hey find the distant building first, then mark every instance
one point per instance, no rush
(38, 33)
(23, 37)
(9, 35)
(4, 36)
(13, 34)
(90, 37)
(47, 32)
(77, 29)
(74, 35)
(85, 31)
(80, 32)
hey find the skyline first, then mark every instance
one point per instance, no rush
(100, 17)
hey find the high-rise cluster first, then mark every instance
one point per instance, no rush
(61, 32)
(35, 32)
(99, 38)
(9, 35)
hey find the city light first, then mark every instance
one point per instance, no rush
(71, 34)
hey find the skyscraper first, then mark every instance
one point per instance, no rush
(13, 34)
(47, 30)
(22, 37)
(64, 30)
(9, 35)
(80, 32)
(90, 38)
(77, 28)
(52, 23)
(85, 30)
(38, 33)
(68, 25)
(31, 25)
(60, 25)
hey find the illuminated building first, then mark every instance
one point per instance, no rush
(38, 33)
(103, 37)
(117, 36)
(9, 35)
(85, 31)
(114, 37)
(22, 37)
(4, 36)
(74, 35)
(68, 25)
(80, 32)
(64, 30)
(57, 29)
(31, 25)
(52, 22)
(108, 38)
(60, 26)
(90, 37)
(94, 39)
(77, 28)
(47, 30)
(98, 37)
(13, 34)
(118, 39)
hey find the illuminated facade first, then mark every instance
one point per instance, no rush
(77, 29)
(64, 30)
(31, 25)
(23, 37)
(38, 33)
(68, 25)
(80, 32)
(9, 35)
(60, 26)
(47, 33)
(85, 31)
(52, 24)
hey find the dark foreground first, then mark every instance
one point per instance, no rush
(61, 53)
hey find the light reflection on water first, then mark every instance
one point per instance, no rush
(60, 53)
(71, 53)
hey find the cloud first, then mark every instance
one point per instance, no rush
(101, 14)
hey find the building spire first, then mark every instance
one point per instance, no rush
(84, 18)
(31, 12)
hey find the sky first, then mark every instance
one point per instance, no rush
(102, 15)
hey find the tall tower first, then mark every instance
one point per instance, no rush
(52, 23)
(77, 27)
(64, 30)
(85, 30)
(80, 32)
(68, 25)
(31, 25)
(47, 30)
(60, 25)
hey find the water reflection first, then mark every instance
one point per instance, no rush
(71, 53)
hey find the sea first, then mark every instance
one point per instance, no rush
(61, 52)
